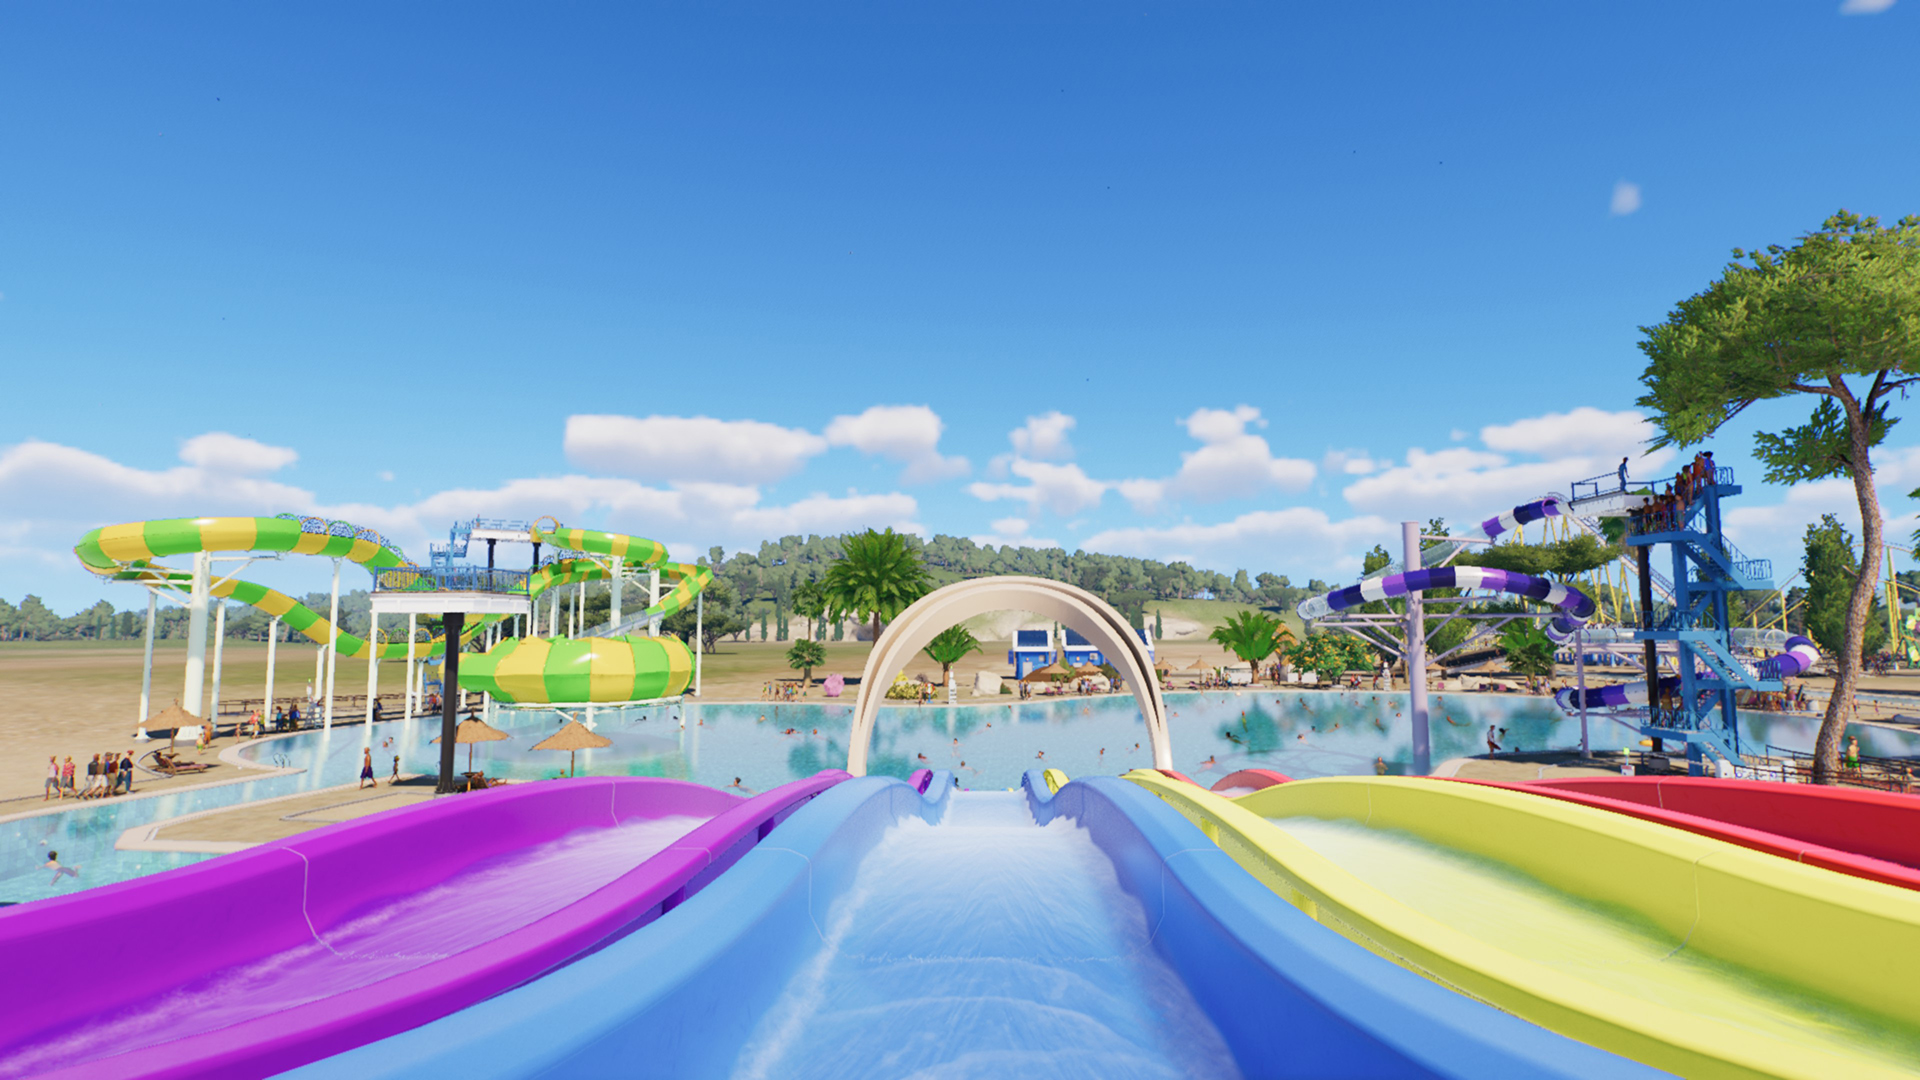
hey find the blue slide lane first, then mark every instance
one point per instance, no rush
(693, 993)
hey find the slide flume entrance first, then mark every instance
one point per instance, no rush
(1012, 940)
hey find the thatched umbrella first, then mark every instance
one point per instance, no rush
(474, 731)
(173, 717)
(571, 738)
(1199, 665)
(1045, 674)
(1088, 671)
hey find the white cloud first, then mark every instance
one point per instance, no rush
(693, 448)
(1626, 199)
(217, 451)
(1348, 463)
(1043, 437)
(1583, 431)
(1306, 537)
(1778, 532)
(1865, 7)
(1232, 463)
(1464, 483)
(51, 494)
(1063, 489)
(1144, 495)
(386, 475)
(827, 515)
(1013, 531)
(905, 433)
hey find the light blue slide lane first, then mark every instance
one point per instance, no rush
(880, 932)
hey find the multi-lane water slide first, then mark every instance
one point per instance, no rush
(905, 928)
(1684, 952)
(1870, 834)
(616, 667)
(284, 953)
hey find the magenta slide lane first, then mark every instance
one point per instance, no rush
(77, 958)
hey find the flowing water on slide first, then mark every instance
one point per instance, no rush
(981, 946)
(483, 902)
(1609, 946)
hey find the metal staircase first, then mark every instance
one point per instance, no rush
(1700, 711)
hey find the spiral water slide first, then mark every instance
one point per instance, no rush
(1800, 656)
(127, 553)
(610, 668)
(1575, 606)
(612, 664)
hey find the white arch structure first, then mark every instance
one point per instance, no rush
(1103, 627)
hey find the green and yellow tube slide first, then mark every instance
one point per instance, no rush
(530, 670)
(1689, 954)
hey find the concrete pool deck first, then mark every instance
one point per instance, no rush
(244, 825)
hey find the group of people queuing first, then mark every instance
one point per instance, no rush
(1670, 508)
(107, 775)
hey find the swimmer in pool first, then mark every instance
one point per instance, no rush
(53, 864)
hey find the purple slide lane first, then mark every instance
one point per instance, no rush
(279, 955)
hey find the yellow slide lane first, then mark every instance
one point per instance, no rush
(1689, 954)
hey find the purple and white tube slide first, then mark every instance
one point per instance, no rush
(1575, 606)
(1799, 658)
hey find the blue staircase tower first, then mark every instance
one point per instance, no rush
(1698, 707)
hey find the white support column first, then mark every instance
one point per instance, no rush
(192, 697)
(333, 643)
(273, 644)
(413, 631)
(653, 600)
(1416, 656)
(579, 610)
(699, 637)
(553, 613)
(146, 672)
(219, 650)
(618, 585)
(373, 671)
(319, 677)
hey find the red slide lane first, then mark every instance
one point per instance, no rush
(1251, 778)
(1808, 811)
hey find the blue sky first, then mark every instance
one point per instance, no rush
(1244, 284)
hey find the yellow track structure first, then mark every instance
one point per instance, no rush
(1762, 966)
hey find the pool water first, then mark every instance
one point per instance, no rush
(988, 745)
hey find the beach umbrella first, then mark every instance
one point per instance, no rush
(474, 731)
(1199, 665)
(172, 717)
(571, 738)
(1045, 674)
(1089, 670)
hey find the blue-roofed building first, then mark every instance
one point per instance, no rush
(1032, 650)
(1080, 651)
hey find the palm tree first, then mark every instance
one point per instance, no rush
(810, 602)
(877, 574)
(806, 655)
(949, 646)
(1252, 636)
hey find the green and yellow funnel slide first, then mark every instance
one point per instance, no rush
(609, 669)
(1689, 954)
